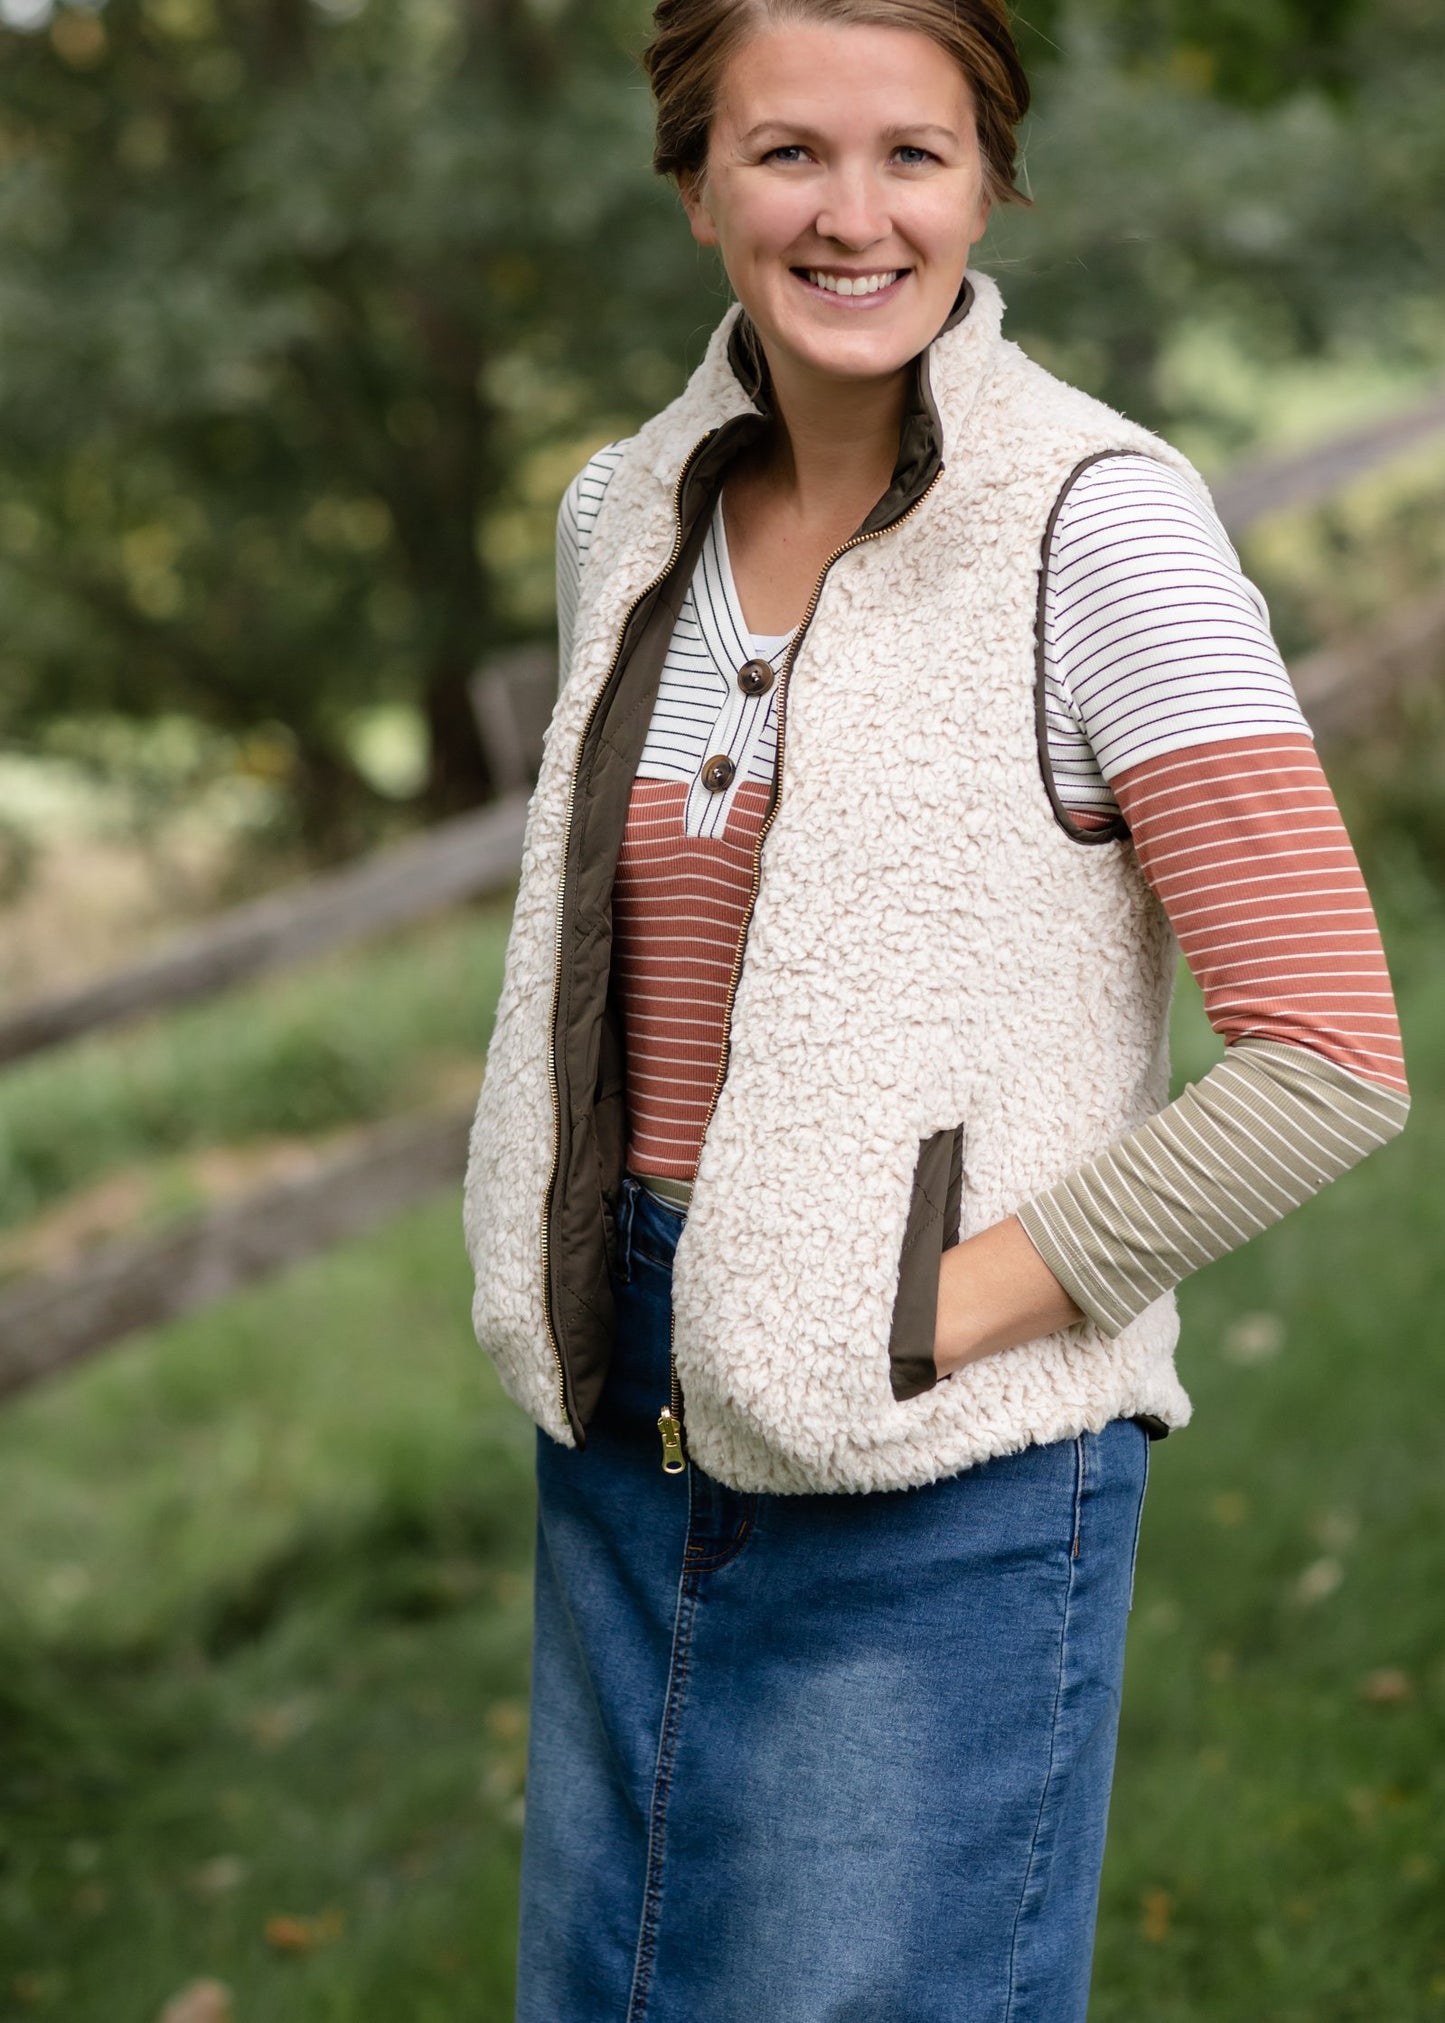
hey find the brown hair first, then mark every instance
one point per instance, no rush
(693, 40)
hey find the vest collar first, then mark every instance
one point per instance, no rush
(750, 366)
(732, 385)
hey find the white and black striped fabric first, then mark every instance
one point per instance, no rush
(1154, 639)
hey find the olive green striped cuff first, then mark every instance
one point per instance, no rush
(1265, 1129)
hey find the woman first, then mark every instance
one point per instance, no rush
(824, 1202)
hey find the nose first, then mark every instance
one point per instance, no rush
(853, 212)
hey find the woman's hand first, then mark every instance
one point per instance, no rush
(995, 1291)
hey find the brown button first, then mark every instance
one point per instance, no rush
(717, 772)
(755, 677)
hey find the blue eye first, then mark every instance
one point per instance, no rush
(790, 148)
(917, 155)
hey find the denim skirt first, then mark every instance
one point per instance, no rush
(820, 1758)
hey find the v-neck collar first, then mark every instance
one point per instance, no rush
(760, 645)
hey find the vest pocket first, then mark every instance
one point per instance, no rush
(935, 1211)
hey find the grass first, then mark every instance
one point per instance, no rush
(356, 1037)
(1278, 1831)
(265, 1657)
(264, 1580)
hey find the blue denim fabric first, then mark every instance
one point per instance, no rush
(815, 1759)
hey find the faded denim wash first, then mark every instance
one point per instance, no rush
(815, 1759)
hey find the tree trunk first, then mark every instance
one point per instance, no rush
(336, 809)
(458, 776)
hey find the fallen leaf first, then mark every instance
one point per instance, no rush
(1336, 1529)
(1158, 1908)
(222, 1873)
(1319, 1580)
(289, 1934)
(1386, 1688)
(273, 1727)
(1253, 1338)
(507, 1719)
(200, 2002)
(502, 1780)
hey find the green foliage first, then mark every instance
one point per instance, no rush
(1298, 225)
(269, 279)
(1250, 51)
(281, 1662)
(339, 1044)
(1391, 787)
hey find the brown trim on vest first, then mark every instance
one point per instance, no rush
(587, 1037)
(935, 1213)
(1116, 828)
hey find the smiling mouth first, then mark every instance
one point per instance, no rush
(851, 285)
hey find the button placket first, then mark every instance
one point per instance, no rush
(751, 681)
(731, 741)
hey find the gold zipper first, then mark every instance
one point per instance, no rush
(669, 1419)
(638, 601)
(669, 1424)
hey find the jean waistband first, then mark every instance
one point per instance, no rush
(643, 1216)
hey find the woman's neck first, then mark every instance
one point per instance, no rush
(835, 441)
(792, 501)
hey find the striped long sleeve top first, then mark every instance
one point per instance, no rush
(1167, 705)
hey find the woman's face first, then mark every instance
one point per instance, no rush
(844, 189)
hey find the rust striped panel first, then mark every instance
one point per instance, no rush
(679, 905)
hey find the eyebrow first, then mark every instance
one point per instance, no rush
(802, 132)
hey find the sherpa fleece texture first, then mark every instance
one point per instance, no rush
(927, 948)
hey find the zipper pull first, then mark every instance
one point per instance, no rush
(670, 1427)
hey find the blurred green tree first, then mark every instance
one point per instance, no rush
(307, 308)
(1268, 167)
(1251, 51)
(282, 288)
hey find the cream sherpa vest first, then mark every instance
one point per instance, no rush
(945, 1002)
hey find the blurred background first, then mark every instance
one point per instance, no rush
(307, 314)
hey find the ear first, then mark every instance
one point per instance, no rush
(693, 191)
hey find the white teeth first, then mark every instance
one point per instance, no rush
(853, 284)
